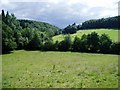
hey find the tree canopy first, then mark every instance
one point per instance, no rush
(33, 35)
(110, 23)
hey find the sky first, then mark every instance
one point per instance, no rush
(61, 13)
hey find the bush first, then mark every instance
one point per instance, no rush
(115, 48)
(36, 42)
(76, 44)
(48, 45)
(70, 29)
(66, 44)
(84, 46)
(56, 45)
(8, 45)
(105, 43)
(93, 42)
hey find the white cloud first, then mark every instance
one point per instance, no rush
(61, 12)
(4, 2)
(108, 13)
(85, 10)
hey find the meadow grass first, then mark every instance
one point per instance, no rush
(113, 34)
(36, 69)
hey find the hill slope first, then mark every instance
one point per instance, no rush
(41, 26)
(109, 23)
(113, 34)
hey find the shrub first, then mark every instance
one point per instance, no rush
(105, 43)
(76, 44)
(115, 48)
(48, 45)
(66, 44)
(93, 42)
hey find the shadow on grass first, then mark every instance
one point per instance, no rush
(9, 52)
(31, 50)
(44, 50)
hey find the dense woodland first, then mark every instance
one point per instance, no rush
(49, 29)
(33, 35)
(109, 23)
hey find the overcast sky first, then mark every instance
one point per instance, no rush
(61, 12)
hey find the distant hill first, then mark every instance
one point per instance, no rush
(41, 26)
(24, 34)
(34, 35)
(107, 23)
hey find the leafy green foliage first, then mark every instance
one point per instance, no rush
(25, 34)
(40, 26)
(48, 45)
(33, 35)
(111, 22)
(65, 45)
(70, 29)
(115, 48)
(3, 16)
(8, 41)
(36, 42)
(76, 44)
(105, 43)
(93, 42)
(113, 34)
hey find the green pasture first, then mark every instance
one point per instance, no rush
(113, 34)
(36, 69)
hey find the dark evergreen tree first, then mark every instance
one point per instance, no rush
(8, 41)
(56, 45)
(105, 43)
(70, 29)
(65, 45)
(3, 16)
(110, 23)
(93, 42)
(48, 45)
(115, 48)
(36, 42)
(33, 35)
(84, 45)
(76, 44)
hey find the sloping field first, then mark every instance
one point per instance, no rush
(113, 34)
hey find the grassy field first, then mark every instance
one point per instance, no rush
(113, 34)
(34, 69)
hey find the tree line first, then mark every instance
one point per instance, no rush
(91, 43)
(108, 23)
(31, 35)
(24, 34)
(49, 29)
